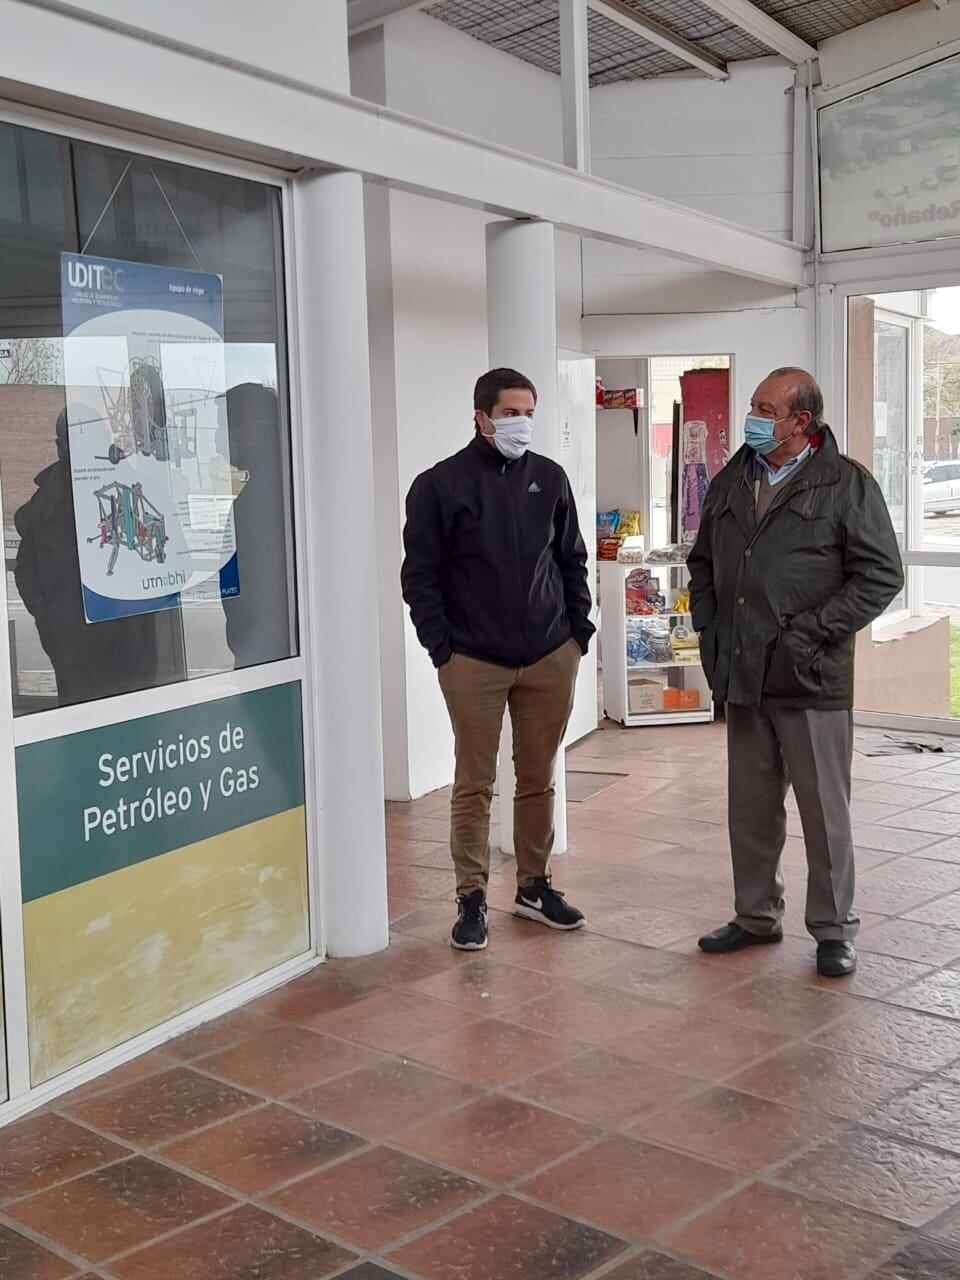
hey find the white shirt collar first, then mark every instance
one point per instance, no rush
(788, 468)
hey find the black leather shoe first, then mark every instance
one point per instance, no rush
(836, 958)
(730, 937)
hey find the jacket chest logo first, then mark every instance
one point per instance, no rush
(534, 488)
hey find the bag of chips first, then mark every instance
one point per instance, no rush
(630, 525)
(608, 524)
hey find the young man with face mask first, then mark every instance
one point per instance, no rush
(795, 554)
(495, 576)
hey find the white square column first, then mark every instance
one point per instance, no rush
(522, 335)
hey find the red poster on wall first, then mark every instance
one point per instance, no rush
(705, 440)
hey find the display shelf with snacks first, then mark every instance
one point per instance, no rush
(652, 674)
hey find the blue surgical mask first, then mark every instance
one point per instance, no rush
(759, 433)
(512, 436)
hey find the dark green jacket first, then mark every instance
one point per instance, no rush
(778, 604)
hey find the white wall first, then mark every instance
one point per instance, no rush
(725, 148)
(620, 462)
(427, 301)
(758, 341)
(441, 349)
(303, 39)
(440, 74)
(887, 41)
(368, 66)
(578, 453)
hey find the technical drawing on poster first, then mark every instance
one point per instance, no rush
(129, 520)
(145, 381)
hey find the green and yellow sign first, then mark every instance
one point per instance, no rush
(163, 861)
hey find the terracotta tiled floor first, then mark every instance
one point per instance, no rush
(609, 1104)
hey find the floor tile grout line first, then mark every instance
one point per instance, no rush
(237, 1198)
(872, 1268)
(153, 1151)
(654, 1246)
(490, 1193)
(288, 1098)
(707, 1082)
(44, 1242)
(121, 1254)
(257, 1200)
(812, 1193)
(157, 1155)
(13, 1201)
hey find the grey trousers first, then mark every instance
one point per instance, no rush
(770, 748)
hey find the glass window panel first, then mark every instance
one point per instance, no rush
(939, 444)
(58, 195)
(889, 161)
(890, 398)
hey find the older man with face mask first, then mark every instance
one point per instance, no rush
(795, 554)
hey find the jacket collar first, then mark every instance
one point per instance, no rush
(488, 454)
(822, 468)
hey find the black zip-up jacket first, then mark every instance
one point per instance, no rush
(778, 602)
(495, 567)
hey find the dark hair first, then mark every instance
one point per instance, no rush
(487, 391)
(808, 398)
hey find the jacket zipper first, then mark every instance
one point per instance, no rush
(516, 558)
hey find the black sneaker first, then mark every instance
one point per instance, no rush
(470, 931)
(547, 905)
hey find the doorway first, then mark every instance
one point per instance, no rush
(663, 433)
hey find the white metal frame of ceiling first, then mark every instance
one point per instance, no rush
(662, 36)
(251, 114)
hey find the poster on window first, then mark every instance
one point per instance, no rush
(145, 381)
(890, 161)
(172, 868)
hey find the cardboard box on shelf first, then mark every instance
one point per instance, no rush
(689, 699)
(645, 697)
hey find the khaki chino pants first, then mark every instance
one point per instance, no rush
(540, 700)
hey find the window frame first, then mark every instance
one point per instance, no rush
(61, 721)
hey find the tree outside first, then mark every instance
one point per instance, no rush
(30, 362)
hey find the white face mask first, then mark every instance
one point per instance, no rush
(512, 436)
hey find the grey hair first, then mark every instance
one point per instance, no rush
(808, 398)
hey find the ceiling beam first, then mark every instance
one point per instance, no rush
(662, 36)
(575, 84)
(239, 110)
(362, 14)
(764, 29)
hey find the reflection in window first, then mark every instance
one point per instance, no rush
(58, 195)
(890, 418)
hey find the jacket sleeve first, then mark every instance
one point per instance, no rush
(872, 567)
(424, 562)
(703, 597)
(571, 556)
